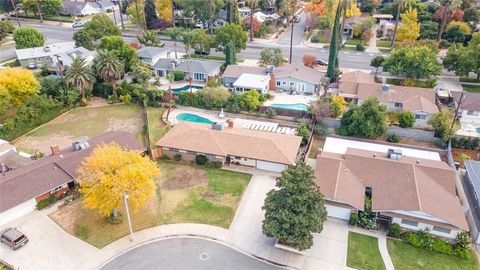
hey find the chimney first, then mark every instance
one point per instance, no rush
(230, 123)
(273, 83)
(55, 149)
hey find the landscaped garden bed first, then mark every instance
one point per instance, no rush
(363, 252)
(185, 194)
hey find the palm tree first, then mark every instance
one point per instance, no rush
(80, 75)
(252, 4)
(109, 68)
(174, 33)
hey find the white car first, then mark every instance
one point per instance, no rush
(78, 24)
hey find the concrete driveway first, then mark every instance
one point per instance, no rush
(49, 246)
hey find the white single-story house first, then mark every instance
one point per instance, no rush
(200, 70)
(83, 8)
(409, 187)
(262, 150)
(23, 187)
(248, 82)
(151, 55)
(42, 56)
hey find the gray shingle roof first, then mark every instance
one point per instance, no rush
(47, 50)
(150, 52)
(196, 66)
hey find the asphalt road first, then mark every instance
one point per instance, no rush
(298, 31)
(186, 253)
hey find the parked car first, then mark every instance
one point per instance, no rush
(202, 52)
(78, 24)
(13, 238)
(296, 19)
(322, 62)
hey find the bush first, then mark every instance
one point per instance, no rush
(179, 76)
(440, 246)
(111, 99)
(395, 231)
(406, 119)
(463, 240)
(444, 44)
(164, 157)
(353, 219)
(82, 231)
(315, 39)
(127, 99)
(42, 204)
(426, 239)
(393, 138)
(201, 160)
(320, 129)
(177, 157)
(413, 239)
(271, 113)
(214, 164)
(360, 47)
(462, 253)
(304, 133)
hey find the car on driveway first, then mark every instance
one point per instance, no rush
(13, 238)
(321, 62)
(78, 24)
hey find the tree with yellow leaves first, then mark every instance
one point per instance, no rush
(17, 85)
(410, 28)
(352, 9)
(338, 105)
(109, 173)
(164, 9)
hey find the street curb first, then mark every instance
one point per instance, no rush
(195, 236)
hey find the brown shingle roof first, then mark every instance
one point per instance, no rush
(408, 184)
(300, 72)
(38, 177)
(234, 71)
(246, 143)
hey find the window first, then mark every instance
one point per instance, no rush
(199, 76)
(441, 230)
(278, 83)
(56, 189)
(398, 105)
(409, 223)
(420, 117)
(292, 84)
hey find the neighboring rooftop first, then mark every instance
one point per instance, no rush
(246, 143)
(47, 50)
(67, 57)
(150, 52)
(235, 71)
(470, 102)
(300, 72)
(252, 81)
(199, 66)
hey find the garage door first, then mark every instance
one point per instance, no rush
(270, 166)
(338, 212)
(17, 211)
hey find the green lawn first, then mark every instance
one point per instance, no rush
(349, 48)
(157, 127)
(59, 18)
(185, 194)
(384, 50)
(406, 257)
(353, 41)
(383, 43)
(316, 144)
(363, 252)
(469, 80)
(471, 88)
(322, 37)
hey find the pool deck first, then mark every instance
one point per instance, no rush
(284, 98)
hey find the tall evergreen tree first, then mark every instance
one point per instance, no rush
(233, 16)
(332, 70)
(151, 17)
(230, 57)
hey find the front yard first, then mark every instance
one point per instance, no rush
(185, 194)
(363, 252)
(406, 257)
(84, 122)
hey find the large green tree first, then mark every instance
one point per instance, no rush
(151, 17)
(296, 210)
(125, 53)
(149, 38)
(272, 57)
(463, 60)
(83, 39)
(233, 16)
(28, 37)
(80, 75)
(204, 11)
(109, 68)
(442, 124)
(100, 26)
(233, 34)
(332, 69)
(366, 120)
(413, 62)
(142, 72)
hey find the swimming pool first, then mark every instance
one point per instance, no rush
(298, 106)
(186, 88)
(478, 130)
(192, 118)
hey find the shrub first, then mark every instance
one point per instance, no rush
(111, 99)
(463, 240)
(315, 39)
(214, 164)
(82, 231)
(177, 157)
(178, 75)
(201, 160)
(271, 113)
(462, 253)
(353, 219)
(304, 133)
(413, 239)
(164, 157)
(393, 138)
(42, 204)
(395, 231)
(426, 238)
(127, 99)
(440, 246)
(360, 47)
(406, 119)
(320, 129)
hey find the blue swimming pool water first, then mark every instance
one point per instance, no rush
(186, 88)
(298, 107)
(193, 118)
(478, 130)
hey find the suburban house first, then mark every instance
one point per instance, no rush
(151, 55)
(358, 86)
(201, 70)
(75, 8)
(62, 61)
(262, 150)
(407, 186)
(42, 56)
(472, 188)
(22, 188)
(469, 107)
(247, 82)
(105, 5)
(290, 77)
(349, 25)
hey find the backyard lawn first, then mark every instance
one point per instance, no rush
(316, 144)
(84, 122)
(406, 257)
(185, 194)
(157, 127)
(363, 252)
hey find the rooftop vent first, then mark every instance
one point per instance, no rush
(395, 154)
(385, 88)
(80, 145)
(46, 48)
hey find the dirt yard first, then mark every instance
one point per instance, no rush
(83, 122)
(457, 155)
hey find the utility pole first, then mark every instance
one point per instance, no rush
(125, 197)
(291, 30)
(16, 12)
(39, 11)
(456, 111)
(120, 11)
